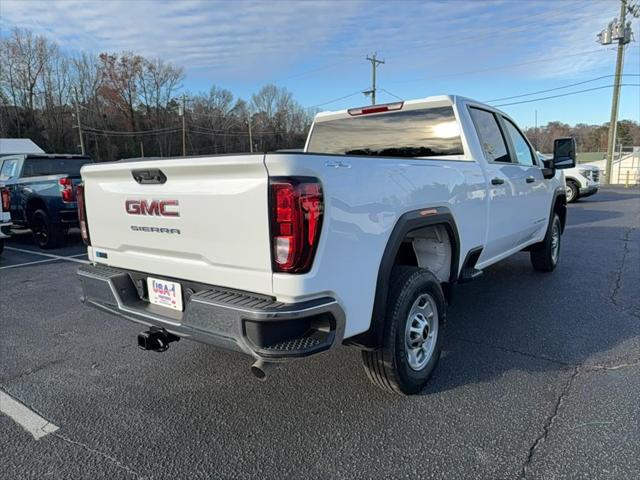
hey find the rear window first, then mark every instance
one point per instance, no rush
(8, 169)
(34, 167)
(427, 132)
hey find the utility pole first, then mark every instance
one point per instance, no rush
(374, 64)
(182, 113)
(536, 145)
(250, 135)
(620, 32)
(79, 126)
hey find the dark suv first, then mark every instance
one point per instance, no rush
(43, 193)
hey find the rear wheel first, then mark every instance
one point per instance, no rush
(414, 328)
(545, 255)
(572, 191)
(46, 234)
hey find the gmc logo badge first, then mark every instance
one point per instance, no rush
(159, 208)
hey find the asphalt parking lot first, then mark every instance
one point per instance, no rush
(540, 378)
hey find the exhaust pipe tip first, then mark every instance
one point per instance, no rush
(261, 369)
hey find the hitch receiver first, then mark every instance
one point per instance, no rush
(156, 339)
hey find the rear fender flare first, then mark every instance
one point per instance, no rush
(408, 222)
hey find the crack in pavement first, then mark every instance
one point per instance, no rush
(517, 352)
(618, 282)
(99, 453)
(548, 424)
(35, 369)
(66, 439)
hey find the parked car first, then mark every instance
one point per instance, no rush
(42, 190)
(358, 240)
(5, 215)
(581, 181)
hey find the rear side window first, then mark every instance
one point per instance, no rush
(426, 132)
(8, 169)
(523, 151)
(35, 166)
(490, 135)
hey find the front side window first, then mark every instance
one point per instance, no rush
(490, 135)
(8, 169)
(425, 132)
(523, 152)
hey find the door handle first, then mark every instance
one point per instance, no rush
(530, 179)
(497, 181)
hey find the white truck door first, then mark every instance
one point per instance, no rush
(533, 187)
(505, 220)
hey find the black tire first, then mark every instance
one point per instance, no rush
(573, 192)
(388, 367)
(543, 258)
(1, 246)
(45, 233)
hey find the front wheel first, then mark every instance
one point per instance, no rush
(545, 255)
(572, 191)
(413, 333)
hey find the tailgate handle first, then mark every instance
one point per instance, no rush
(149, 177)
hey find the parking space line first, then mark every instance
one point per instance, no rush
(25, 417)
(50, 255)
(30, 263)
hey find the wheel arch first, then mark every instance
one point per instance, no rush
(406, 224)
(33, 204)
(559, 206)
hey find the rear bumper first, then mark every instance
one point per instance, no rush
(69, 217)
(5, 230)
(254, 324)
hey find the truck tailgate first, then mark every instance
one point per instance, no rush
(214, 227)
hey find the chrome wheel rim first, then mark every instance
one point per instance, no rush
(421, 333)
(555, 242)
(569, 192)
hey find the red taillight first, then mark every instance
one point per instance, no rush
(296, 218)
(6, 199)
(67, 192)
(386, 107)
(82, 214)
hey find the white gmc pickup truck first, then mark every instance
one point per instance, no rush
(358, 240)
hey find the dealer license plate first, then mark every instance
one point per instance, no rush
(165, 293)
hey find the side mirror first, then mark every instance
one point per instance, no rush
(564, 153)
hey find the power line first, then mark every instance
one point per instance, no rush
(194, 127)
(359, 92)
(389, 93)
(559, 88)
(567, 94)
(499, 67)
(115, 133)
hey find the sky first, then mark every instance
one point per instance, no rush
(483, 49)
